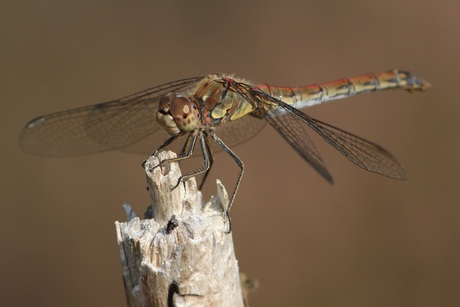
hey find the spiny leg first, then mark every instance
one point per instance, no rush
(166, 143)
(207, 158)
(211, 161)
(190, 143)
(186, 145)
(240, 176)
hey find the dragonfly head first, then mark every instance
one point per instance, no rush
(177, 114)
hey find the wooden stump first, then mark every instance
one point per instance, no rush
(183, 256)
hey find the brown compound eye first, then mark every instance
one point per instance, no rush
(184, 113)
(181, 107)
(165, 103)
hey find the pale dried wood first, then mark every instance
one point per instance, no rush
(183, 256)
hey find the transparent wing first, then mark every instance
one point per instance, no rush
(291, 128)
(242, 130)
(288, 121)
(117, 124)
(366, 154)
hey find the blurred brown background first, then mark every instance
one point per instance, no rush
(367, 241)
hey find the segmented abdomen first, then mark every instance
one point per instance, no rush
(309, 95)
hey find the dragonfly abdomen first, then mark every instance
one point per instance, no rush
(305, 96)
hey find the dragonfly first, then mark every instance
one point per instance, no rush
(222, 108)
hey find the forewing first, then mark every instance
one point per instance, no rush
(117, 124)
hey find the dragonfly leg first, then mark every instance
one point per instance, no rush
(240, 176)
(211, 161)
(168, 141)
(190, 143)
(207, 160)
(186, 145)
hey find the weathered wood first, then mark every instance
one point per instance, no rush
(183, 256)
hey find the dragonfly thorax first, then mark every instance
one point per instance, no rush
(177, 114)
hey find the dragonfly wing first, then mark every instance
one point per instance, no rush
(291, 128)
(289, 121)
(236, 132)
(367, 155)
(116, 124)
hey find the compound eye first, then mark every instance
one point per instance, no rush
(181, 107)
(165, 102)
